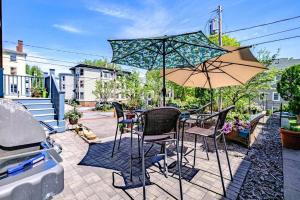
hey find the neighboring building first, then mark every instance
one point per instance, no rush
(271, 99)
(67, 84)
(14, 64)
(81, 82)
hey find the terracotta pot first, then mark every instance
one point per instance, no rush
(129, 115)
(73, 121)
(290, 139)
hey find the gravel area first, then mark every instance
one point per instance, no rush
(265, 177)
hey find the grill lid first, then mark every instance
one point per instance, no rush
(17, 126)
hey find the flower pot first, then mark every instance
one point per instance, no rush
(73, 121)
(290, 139)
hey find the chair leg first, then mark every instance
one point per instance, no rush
(206, 147)
(179, 167)
(195, 145)
(131, 153)
(120, 139)
(225, 145)
(220, 169)
(143, 168)
(139, 146)
(112, 154)
(165, 160)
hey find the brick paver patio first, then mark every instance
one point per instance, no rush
(90, 173)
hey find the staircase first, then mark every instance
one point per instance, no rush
(43, 110)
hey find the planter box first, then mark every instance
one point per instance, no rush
(290, 139)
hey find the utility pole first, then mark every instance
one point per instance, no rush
(220, 24)
(219, 11)
(1, 54)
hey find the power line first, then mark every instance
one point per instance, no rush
(270, 41)
(265, 24)
(53, 59)
(270, 34)
(58, 50)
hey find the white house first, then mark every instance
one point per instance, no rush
(14, 64)
(81, 82)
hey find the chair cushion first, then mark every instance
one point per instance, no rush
(201, 131)
(128, 121)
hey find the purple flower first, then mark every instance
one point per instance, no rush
(227, 128)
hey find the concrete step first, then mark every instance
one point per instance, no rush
(38, 111)
(33, 100)
(52, 123)
(44, 117)
(38, 105)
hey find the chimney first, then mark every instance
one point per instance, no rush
(20, 46)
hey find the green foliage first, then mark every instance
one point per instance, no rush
(226, 40)
(242, 116)
(73, 114)
(34, 71)
(153, 86)
(103, 106)
(289, 87)
(132, 89)
(104, 89)
(264, 56)
(102, 63)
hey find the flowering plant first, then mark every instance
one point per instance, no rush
(241, 125)
(227, 128)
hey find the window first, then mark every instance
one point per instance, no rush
(276, 96)
(81, 83)
(63, 78)
(13, 71)
(13, 57)
(81, 95)
(81, 72)
(63, 86)
(13, 88)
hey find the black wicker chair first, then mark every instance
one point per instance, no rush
(160, 125)
(214, 133)
(121, 120)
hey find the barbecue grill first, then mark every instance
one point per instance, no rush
(29, 159)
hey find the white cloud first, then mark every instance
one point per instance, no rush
(67, 28)
(113, 11)
(152, 20)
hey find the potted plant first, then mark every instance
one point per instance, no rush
(289, 89)
(73, 115)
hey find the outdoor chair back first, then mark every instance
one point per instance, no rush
(159, 121)
(221, 120)
(119, 109)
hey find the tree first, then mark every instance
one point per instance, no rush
(153, 86)
(289, 88)
(133, 89)
(226, 40)
(34, 71)
(104, 89)
(102, 63)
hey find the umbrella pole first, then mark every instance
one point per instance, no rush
(211, 101)
(164, 73)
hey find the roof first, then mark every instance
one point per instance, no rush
(14, 52)
(282, 63)
(98, 67)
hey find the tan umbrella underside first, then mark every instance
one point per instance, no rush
(234, 68)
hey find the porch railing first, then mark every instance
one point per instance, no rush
(57, 98)
(21, 86)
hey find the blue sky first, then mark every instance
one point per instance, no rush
(85, 25)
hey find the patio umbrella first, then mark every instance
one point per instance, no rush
(184, 50)
(233, 68)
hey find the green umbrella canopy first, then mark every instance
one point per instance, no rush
(184, 50)
(187, 49)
